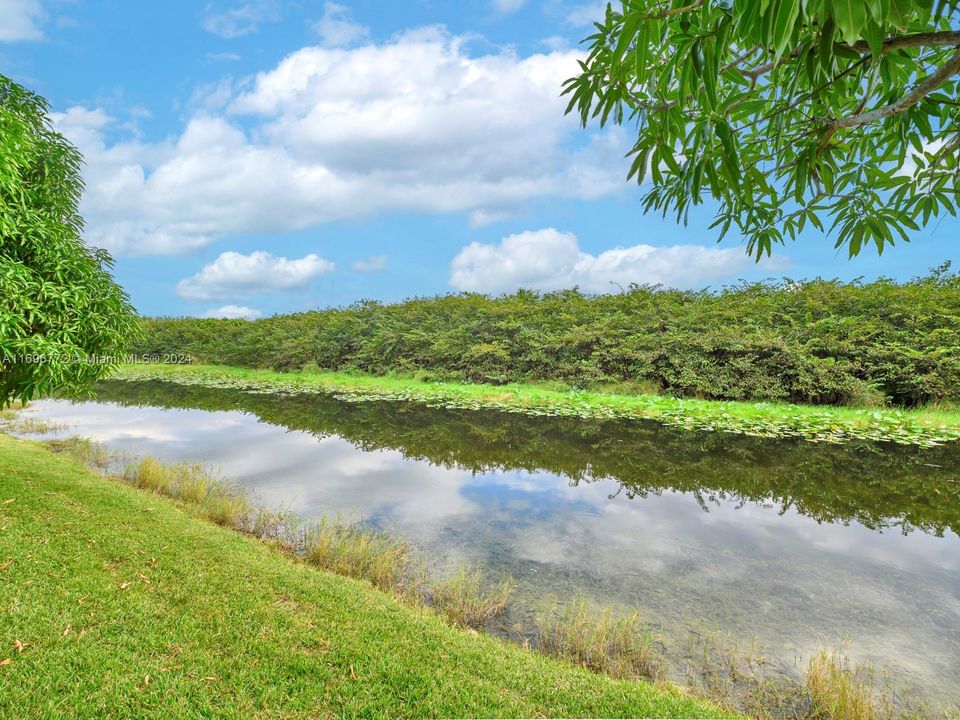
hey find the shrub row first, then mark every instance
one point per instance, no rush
(821, 341)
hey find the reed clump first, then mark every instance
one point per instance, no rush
(465, 601)
(217, 500)
(349, 549)
(150, 474)
(599, 639)
(227, 505)
(12, 422)
(88, 452)
(840, 690)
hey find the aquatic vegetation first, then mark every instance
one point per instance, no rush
(770, 420)
(193, 484)
(840, 690)
(87, 451)
(735, 673)
(12, 420)
(227, 506)
(151, 474)
(276, 525)
(464, 600)
(598, 639)
(827, 686)
(216, 499)
(349, 549)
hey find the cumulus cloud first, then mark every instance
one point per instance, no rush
(332, 134)
(21, 20)
(552, 260)
(240, 20)
(370, 264)
(336, 28)
(233, 275)
(233, 312)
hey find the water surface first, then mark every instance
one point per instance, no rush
(787, 542)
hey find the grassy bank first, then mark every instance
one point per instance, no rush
(117, 603)
(924, 427)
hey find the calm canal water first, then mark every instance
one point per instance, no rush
(788, 543)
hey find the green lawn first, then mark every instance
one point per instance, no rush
(925, 426)
(124, 604)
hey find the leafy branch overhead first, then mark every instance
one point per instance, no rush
(840, 114)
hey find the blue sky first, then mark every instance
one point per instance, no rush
(259, 156)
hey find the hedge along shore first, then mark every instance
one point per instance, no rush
(821, 342)
(116, 602)
(815, 423)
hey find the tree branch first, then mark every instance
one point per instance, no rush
(919, 91)
(675, 11)
(930, 39)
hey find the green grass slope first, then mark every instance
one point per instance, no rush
(119, 603)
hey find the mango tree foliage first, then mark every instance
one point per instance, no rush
(63, 320)
(841, 114)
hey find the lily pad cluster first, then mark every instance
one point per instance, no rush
(770, 420)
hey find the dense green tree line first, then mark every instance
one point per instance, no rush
(819, 341)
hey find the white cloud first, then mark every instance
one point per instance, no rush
(910, 166)
(334, 134)
(223, 56)
(370, 264)
(505, 7)
(21, 20)
(241, 20)
(551, 260)
(336, 29)
(585, 14)
(482, 218)
(233, 312)
(233, 275)
(556, 42)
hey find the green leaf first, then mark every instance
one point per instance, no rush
(874, 37)
(850, 16)
(787, 12)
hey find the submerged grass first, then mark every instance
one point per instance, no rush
(735, 672)
(87, 451)
(829, 686)
(464, 600)
(336, 545)
(818, 423)
(13, 421)
(348, 549)
(841, 690)
(599, 639)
